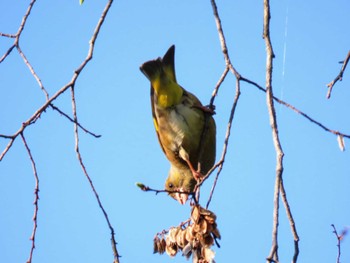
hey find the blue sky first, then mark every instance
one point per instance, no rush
(309, 38)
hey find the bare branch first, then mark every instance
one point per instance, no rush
(227, 137)
(339, 77)
(80, 159)
(291, 222)
(216, 90)
(273, 256)
(340, 238)
(33, 72)
(24, 21)
(36, 198)
(228, 67)
(8, 52)
(146, 188)
(7, 35)
(71, 83)
(297, 110)
(49, 103)
(19, 32)
(338, 242)
(69, 118)
(222, 39)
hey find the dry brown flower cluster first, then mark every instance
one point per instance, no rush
(195, 239)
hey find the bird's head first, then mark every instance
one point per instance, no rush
(181, 181)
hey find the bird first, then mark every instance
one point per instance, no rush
(186, 129)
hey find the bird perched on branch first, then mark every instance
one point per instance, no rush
(185, 128)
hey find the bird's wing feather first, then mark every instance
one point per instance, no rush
(155, 120)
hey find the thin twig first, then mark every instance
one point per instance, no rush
(228, 67)
(69, 118)
(216, 90)
(7, 35)
(80, 159)
(49, 102)
(19, 31)
(339, 77)
(33, 72)
(146, 188)
(227, 137)
(8, 52)
(71, 83)
(297, 110)
(291, 222)
(338, 243)
(340, 238)
(24, 21)
(36, 198)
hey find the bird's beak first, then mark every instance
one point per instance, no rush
(181, 197)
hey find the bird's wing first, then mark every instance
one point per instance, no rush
(155, 120)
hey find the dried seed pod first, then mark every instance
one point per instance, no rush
(181, 238)
(206, 212)
(171, 246)
(207, 241)
(195, 239)
(195, 214)
(203, 227)
(162, 246)
(187, 250)
(208, 255)
(159, 245)
(156, 240)
(210, 219)
(189, 236)
(216, 232)
(171, 249)
(172, 234)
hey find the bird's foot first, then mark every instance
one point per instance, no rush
(197, 175)
(206, 109)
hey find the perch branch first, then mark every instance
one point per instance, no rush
(228, 67)
(146, 188)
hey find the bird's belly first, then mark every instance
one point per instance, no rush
(182, 127)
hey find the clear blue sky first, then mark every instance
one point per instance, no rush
(113, 100)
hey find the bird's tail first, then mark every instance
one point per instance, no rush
(154, 69)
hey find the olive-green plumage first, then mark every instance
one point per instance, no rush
(179, 119)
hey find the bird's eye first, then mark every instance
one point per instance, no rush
(170, 185)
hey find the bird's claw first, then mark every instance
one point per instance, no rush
(210, 109)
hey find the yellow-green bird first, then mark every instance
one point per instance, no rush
(179, 119)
